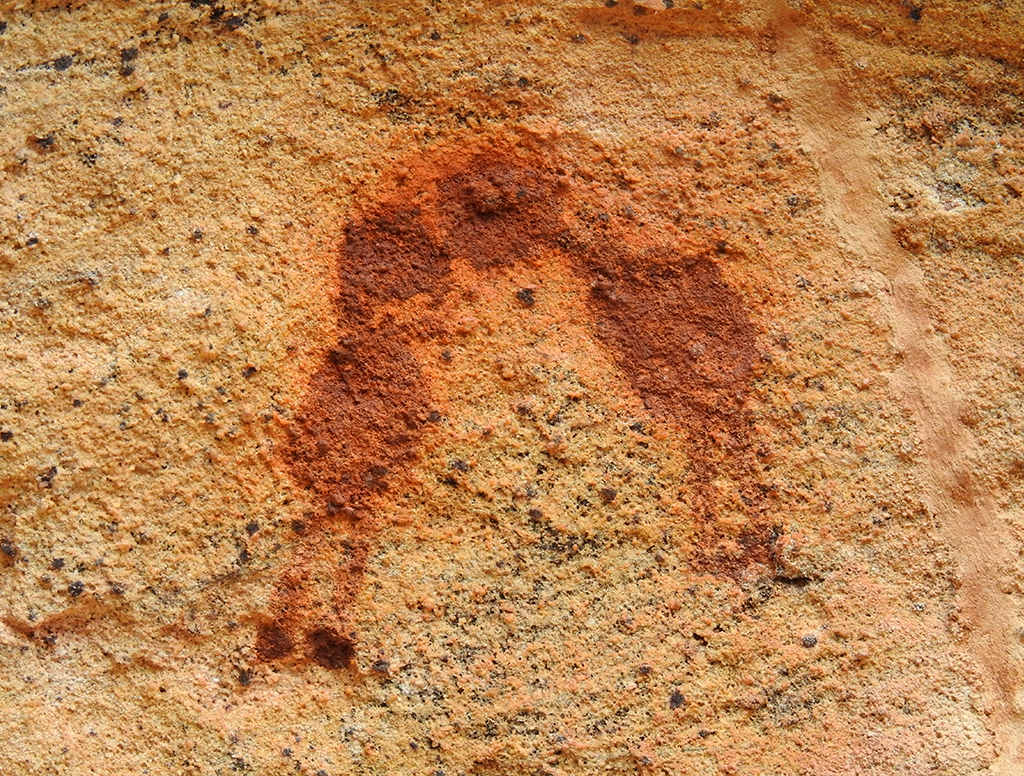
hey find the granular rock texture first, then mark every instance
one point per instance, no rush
(511, 389)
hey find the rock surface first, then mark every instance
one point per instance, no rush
(553, 388)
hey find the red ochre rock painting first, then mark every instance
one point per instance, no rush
(680, 335)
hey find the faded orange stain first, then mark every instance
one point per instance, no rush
(680, 335)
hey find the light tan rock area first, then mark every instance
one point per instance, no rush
(519, 389)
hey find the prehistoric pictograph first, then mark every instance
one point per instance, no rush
(680, 336)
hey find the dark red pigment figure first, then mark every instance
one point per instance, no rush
(678, 333)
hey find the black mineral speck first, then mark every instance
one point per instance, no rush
(57, 564)
(182, 374)
(809, 641)
(676, 700)
(253, 230)
(526, 297)
(163, 17)
(7, 548)
(128, 54)
(435, 35)
(63, 63)
(252, 527)
(915, 13)
(245, 677)
(75, 589)
(197, 234)
(234, 22)
(249, 371)
(6, 436)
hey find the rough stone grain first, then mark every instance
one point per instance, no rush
(488, 388)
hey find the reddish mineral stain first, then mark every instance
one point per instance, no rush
(679, 334)
(683, 339)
